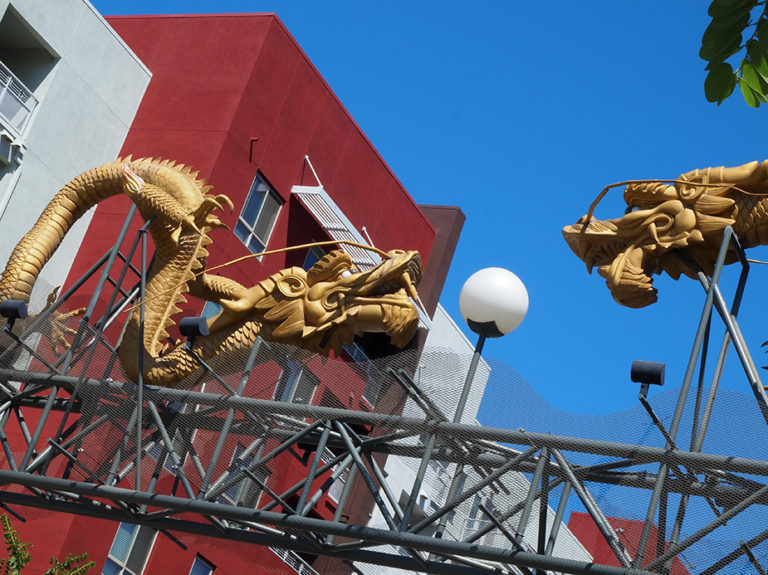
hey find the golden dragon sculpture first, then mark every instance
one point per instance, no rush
(687, 215)
(319, 310)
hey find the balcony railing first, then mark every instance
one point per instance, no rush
(294, 561)
(16, 101)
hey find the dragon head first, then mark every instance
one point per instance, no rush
(325, 307)
(342, 302)
(687, 217)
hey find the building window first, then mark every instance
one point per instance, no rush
(245, 492)
(201, 567)
(256, 221)
(296, 384)
(374, 378)
(130, 550)
(314, 254)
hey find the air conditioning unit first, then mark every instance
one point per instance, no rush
(11, 149)
(6, 148)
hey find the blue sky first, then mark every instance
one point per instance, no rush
(520, 113)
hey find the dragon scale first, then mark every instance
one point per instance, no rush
(320, 309)
(687, 217)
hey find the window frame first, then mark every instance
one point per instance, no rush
(245, 230)
(122, 564)
(204, 562)
(240, 491)
(295, 378)
(314, 255)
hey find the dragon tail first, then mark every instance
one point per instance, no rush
(39, 244)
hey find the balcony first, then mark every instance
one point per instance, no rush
(294, 561)
(16, 101)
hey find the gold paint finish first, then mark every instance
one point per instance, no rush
(688, 214)
(318, 310)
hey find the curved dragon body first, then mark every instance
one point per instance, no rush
(320, 309)
(687, 217)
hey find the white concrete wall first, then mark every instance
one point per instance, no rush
(441, 374)
(444, 366)
(87, 104)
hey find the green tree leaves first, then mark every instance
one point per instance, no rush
(719, 82)
(732, 22)
(18, 552)
(72, 565)
(18, 556)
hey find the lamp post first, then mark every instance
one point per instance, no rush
(493, 302)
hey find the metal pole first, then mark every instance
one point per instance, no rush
(470, 377)
(724, 518)
(451, 504)
(634, 454)
(735, 554)
(683, 397)
(140, 380)
(311, 474)
(558, 519)
(342, 502)
(456, 480)
(594, 510)
(178, 464)
(366, 476)
(341, 467)
(390, 537)
(532, 490)
(417, 482)
(227, 424)
(543, 509)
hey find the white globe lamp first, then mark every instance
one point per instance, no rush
(493, 302)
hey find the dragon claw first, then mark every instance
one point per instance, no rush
(59, 331)
(224, 199)
(202, 217)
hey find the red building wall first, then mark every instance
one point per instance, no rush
(233, 96)
(629, 531)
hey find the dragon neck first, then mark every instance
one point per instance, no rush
(176, 265)
(751, 217)
(82, 193)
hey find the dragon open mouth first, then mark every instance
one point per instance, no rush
(627, 279)
(626, 267)
(380, 299)
(392, 280)
(660, 222)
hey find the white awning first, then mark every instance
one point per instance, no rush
(330, 217)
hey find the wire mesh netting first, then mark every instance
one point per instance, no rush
(322, 455)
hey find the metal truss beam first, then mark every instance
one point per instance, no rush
(157, 429)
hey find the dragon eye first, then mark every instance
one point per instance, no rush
(631, 209)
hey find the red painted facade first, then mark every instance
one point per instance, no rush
(628, 530)
(234, 96)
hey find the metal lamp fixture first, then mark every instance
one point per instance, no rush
(647, 373)
(493, 302)
(12, 310)
(191, 327)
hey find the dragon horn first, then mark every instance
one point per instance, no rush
(132, 183)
